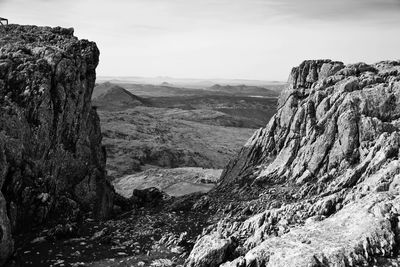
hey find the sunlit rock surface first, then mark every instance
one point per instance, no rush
(323, 175)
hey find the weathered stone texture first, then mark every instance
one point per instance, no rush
(50, 139)
(330, 158)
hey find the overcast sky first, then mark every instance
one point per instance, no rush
(247, 39)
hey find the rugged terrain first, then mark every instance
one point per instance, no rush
(171, 90)
(141, 132)
(244, 90)
(318, 186)
(172, 142)
(236, 106)
(174, 182)
(242, 111)
(52, 164)
(189, 83)
(141, 138)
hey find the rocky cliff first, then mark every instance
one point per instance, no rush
(319, 185)
(52, 164)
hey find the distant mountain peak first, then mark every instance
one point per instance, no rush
(243, 89)
(166, 84)
(112, 96)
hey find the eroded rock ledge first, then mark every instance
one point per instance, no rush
(52, 164)
(325, 172)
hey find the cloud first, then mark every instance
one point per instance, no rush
(258, 39)
(376, 11)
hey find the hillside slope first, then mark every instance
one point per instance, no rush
(168, 90)
(249, 112)
(136, 139)
(319, 186)
(225, 109)
(109, 96)
(244, 90)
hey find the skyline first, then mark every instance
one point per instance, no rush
(231, 39)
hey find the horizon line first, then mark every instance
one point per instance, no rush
(189, 78)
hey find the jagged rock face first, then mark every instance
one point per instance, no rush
(51, 159)
(332, 153)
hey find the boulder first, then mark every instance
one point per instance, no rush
(149, 196)
(210, 250)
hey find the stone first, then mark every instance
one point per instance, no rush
(330, 158)
(6, 241)
(210, 250)
(148, 196)
(177, 250)
(162, 263)
(99, 234)
(50, 138)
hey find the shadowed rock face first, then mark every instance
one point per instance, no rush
(330, 159)
(51, 161)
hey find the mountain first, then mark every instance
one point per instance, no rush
(166, 84)
(319, 185)
(244, 90)
(159, 90)
(113, 97)
(192, 83)
(52, 164)
(166, 89)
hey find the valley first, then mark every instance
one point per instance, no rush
(169, 175)
(195, 128)
(165, 147)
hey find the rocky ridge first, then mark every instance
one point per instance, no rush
(52, 164)
(318, 186)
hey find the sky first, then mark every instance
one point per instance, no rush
(236, 39)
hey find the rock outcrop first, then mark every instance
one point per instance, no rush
(52, 164)
(319, 185)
